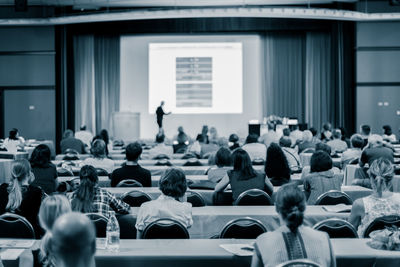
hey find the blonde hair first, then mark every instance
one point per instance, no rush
(19, 171)
(381, 174)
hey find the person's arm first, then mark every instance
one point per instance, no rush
(307, 187)
(256, 261)
(269, 188)
(118, 205)
(222, 184)
(357, 213)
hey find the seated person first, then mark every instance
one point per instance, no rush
(381, 202)
(354, 152)
(337, 144)
(45, 172)
(271, 136)
(19, 197)
(182, 142)
(243, 177)
(319, 147)
(213, 135)
(365, 131)
(70, 142)
(161, 149)
(254, 149)
(296, 135)
(223, 162)
(131, 169)
(321, 178)
(14, 142)
(276, 166)
(326, 134)
(73, 241)
(203, 136)
(292, 157)
(388, 135)
(315, 140)
(170, 204)
(307, 141)
(90, 198)
(292, 240)
(233, 141)
(99, 158)
(84, 135)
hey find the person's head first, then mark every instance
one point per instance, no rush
(307, 136)
(204, 130)
(276, 165)
(286, 132)
(223, 157)
(98, 149)
(13, 134)
(73, 240)
(327, 126)
(83, 196)
(290, 203)
(242, 163)
(40, 156)
(20, 174)
(83, 128)
(213, 131)
(365, 129)
(162, 103)
(160, 137)
(182, 138)
(104, 135)
(323, 147)
(375, 140)
(133, 151)
(387, 130)
(381, 175)
(337, 134)
(343, 132)
(357, 141)
(320, 162)
(180, 130)
(313, 131)
(285, 141)
(234, 138)
(173, 183)
(252, 138)
(68, 133)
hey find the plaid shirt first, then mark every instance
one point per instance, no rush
(104, 202)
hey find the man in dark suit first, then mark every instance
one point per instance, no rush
(160, 114)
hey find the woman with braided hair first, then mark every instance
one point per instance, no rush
(381, 202)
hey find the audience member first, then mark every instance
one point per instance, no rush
(161, 150)
(103, 135)
(388, 135)
(292, 240)
(233, 142)
(270, 137)
(213, 135)
(19, 196)
(291, 154)
(296, 135)
(223, 161)
(315, 140)
(73, 241)
(337, 144)
(286, 132)
(84, 135)
(276, 166)
(354, 152)
(319, 147)
(203, 136)
(344, 136)
(326, 133)
(307, 142)
(182, 142)
(321, 178)
(381, 202)
(243, 176)
(51, 208)
(170, 204)
(365, 131)
(90, 198)
(99, 159)
(255, 150)
(45, 172)
(70, 142)
(14, 142)
(131, 169)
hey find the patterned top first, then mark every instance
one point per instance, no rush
(104, 202)
(375, 207)
(317, 183)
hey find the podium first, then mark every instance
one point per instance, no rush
(126, 126)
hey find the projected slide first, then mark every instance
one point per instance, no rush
(196, 77)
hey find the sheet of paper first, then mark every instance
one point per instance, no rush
(239, 249)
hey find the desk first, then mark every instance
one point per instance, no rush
(142, 162)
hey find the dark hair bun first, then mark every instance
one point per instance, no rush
(294, 220)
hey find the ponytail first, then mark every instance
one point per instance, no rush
(379, 185)
(381, 174)
(20, 170)
(294, 219)
(84, 195)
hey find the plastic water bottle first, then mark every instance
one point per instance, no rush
(112, 236)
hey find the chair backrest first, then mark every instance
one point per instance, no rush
(135, 198)
(308, 150)
(15, 226)
(337, 228)
(163, 162)
(165, 229)
(254, 197)
(129, 183)
(258, 162)
(100, 221)
(195, 198)
(243, 228)
(299, 262)
(64, 172)
(161, 156)
(101, 172)
(381, 223)
(334, 197)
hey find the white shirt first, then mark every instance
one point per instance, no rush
(296, 135)
(337, 145)
(161, 149)
(270, 137)
(85, 136)
(256, 151)
(105, 163)
(164, 207)
(12, 145)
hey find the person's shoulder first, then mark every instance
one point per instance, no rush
(269, 237)
(35, 189)
(3, 186)
(314, 234)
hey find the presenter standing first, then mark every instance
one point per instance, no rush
(160, 114)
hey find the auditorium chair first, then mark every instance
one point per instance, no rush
(64, 172)
(299, 262)
(253, 197)
(135, 198)
(243, 228)
(101, 172)
(100, 221)
(165, 229)
(333, 197)
(15, 226)
(337, 228)
(195, 199)
(129, 183)
(382, 223)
